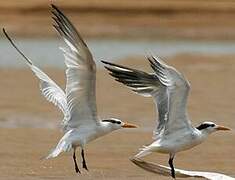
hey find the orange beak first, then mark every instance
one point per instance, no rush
(222, 128)
(126, 125)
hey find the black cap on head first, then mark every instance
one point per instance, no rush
(205, 125)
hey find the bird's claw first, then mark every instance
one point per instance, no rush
(173, 174)
(84, 166)
(77, 170)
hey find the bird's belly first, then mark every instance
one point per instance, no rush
(173, 145)
(180, 147)
(173, 148)
(81, 136)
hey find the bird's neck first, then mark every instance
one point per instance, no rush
(106, 128)
(203, 134)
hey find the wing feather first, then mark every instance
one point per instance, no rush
(177, 90)
(168, 88)
(50, 90)
(145, 84)
(80, 73)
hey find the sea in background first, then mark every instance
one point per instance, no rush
(46, 53)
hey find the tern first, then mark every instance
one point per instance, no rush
(169, 89)
(78, 103)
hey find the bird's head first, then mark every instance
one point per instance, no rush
(117, 124)
(210, 127)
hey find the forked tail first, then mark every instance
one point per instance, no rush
(64, 145)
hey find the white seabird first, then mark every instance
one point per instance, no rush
(81, 123)
(169, 89)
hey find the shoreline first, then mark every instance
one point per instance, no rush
(131, 19)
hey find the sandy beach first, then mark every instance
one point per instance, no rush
(29, 124)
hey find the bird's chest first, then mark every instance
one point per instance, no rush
(85, 135)
(180, 142)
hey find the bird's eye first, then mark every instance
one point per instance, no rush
(212, 125)
(118, 122)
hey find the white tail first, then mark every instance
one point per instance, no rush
(64, 145)
(61, 147)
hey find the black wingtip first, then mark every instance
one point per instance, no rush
(54, 6)
(108, 63)
(105, 62)
(13, 44)
(108, 68)
(112, 64)
(4, 31)
(151, 60)
(154, 62)
(65, 26)
(55, 9)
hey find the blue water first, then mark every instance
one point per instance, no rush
(45, 52)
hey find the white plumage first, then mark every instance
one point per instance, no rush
(169, 90)
(78, 103)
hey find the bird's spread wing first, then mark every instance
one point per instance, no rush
(49, 88)
(138, 81)
(177, 90)
(145, 84)
(80, 72)
(167, 87)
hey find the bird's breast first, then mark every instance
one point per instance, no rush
(180, 142)
(87, 134)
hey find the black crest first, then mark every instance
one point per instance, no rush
(205, 125)
(112, 121)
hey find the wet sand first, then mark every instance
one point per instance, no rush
(211, 98)
(190, 19)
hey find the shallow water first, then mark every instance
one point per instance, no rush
(27, 121)
(46, 52)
